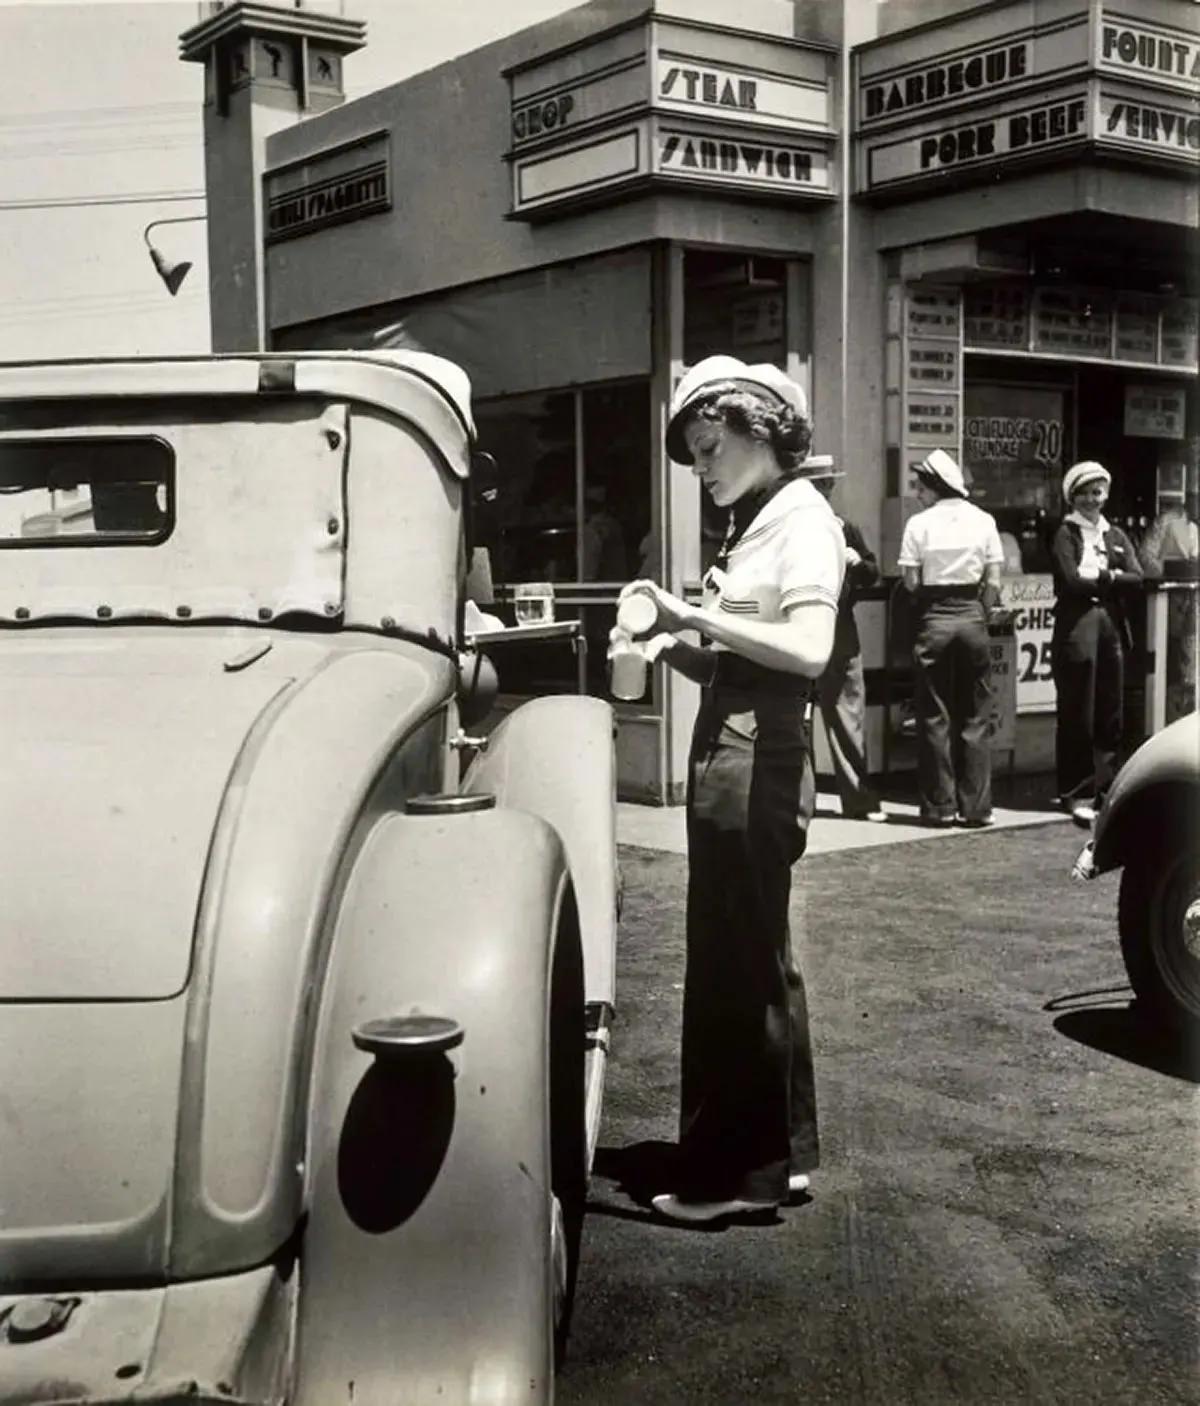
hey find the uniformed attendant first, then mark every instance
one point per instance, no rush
(951, 557)
(1093, 563)
(748, 1122)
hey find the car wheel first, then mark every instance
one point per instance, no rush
(1159, 919)
(568, 1146)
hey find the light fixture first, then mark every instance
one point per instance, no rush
(172, 273)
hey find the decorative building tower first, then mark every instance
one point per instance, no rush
(265, 67)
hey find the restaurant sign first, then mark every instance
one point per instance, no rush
(328, 189)
(689, 85)
(662, 101)
(986, 138)
(1153, 54)
(1159, 129)
(758, 165)
(976, 92)
(897, 79)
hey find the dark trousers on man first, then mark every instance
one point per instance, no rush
(842, 697)
(1089, 678)
(748, 1098)
(953, 679)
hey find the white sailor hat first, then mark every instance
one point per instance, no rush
(1087, 471)
(938, 464)
(820, 466)
(717, 373)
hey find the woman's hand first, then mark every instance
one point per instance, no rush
(673, 614)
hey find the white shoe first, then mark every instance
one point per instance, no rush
(797, 1182)
(701, 1212)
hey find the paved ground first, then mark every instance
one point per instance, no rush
(1006, 1210)
(662, 827)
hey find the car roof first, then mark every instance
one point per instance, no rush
(419, 386)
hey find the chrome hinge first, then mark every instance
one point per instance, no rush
(461, 740)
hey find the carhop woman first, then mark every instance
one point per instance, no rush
(1093, 563)
(748, 1122)
(950, 557)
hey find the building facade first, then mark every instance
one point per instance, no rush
(966, 228)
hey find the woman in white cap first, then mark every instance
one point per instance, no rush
(1092, 562)
(748, 1125)
(950, 556)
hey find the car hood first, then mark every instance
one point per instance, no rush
(114, 761)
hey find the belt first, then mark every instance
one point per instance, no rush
(963, 592)
(733, 671)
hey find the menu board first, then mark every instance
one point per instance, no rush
(996, 315)
(1180, 325)
(1013, 436)
(932, 364)
(1155, 412)
(931, 420)
(1137, 328)
(932, 312)
(1072, 321)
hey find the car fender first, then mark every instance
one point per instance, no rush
(554, 758)
(425, 1260)
(1154, 794)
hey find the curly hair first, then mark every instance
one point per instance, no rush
(777, 425)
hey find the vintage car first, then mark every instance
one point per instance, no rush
(305, 977)
(1149, 827)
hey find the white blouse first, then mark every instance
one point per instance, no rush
(791, 554)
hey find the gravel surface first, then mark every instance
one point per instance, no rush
(1006, 1210)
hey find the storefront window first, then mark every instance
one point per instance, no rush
(569, 503)
(736, 304)
(1014, 442)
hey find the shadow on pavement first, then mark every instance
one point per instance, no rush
(1121, 1032)
(641, 1171)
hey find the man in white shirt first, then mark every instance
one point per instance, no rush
(951, 558)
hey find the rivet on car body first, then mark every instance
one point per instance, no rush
(22, 612)
(104, 611)
(387, 623)
(333, 527)
(264, 612)
(334, 438)
(30, 1320)
(183, 611)
(331, 607)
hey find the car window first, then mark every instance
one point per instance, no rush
(89, 490)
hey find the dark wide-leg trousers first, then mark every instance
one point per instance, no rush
(1089, 679)
(953, 678)
(748, 1098)
(842, 696)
